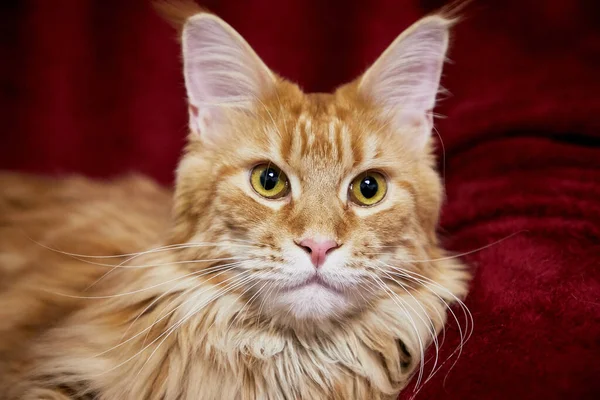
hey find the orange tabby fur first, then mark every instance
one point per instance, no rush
(67, 330)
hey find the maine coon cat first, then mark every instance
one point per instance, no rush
(300, 260)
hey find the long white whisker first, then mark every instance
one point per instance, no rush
(469, 322)
(200, 272)
(371, 291)
(144, 266)
(457, 255)
(169, 331)
(262, 302)
(397, 300)
(247, 303)
(121, 265)
(247, 241)
(207, 270)
(468, 316)
(227, 330)
(149, 266)
(150, 251)
(430, 325)
(237, 298)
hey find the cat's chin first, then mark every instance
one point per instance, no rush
(312, 302)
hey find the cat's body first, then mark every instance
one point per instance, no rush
(68, 335)
(325, 282)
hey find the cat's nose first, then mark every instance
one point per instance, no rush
(318, 249)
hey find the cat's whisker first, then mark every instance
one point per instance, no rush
(425, 282)
(150, 251)
(377, 246)
(169, 331)
(421, 346)
(235, 278)
(457, 352)
(227, 330)
(247, 304)
(468, 316)
(453, 256)
(469, 321)
(144, 266)
(208, 329)
(372, 292)
(433, 370)
(255, 296)
(160, 318)
(148, 307)
(155, 301)
(398, 301)
(200, 272)
(239, 312)
(265, 297)
(429, 281)
(132, 256)
(430, 324)
(432, 333)
(146, 337)
(121, 266)
(253, 242)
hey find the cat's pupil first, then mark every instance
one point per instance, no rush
(368, 187)
(269, 178)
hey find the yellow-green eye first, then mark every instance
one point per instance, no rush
(368, 189)
(269, 181)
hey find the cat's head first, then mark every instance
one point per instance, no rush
(314, 197)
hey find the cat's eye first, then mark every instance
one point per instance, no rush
(368, 188)
(269, 181)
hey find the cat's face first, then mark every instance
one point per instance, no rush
(317, 194)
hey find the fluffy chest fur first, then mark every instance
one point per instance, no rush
(108, 351)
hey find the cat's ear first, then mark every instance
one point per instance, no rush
(221, 72)
(404, 81)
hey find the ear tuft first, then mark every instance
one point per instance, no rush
(177, 12)
(404, 81)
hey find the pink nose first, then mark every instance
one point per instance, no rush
(318, 249)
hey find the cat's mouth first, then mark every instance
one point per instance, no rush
(315, 281)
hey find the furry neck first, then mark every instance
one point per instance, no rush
(215, 348)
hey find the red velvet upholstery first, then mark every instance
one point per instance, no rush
(95, 87)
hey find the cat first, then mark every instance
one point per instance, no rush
(296, 258)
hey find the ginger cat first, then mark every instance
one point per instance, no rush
(296, 259)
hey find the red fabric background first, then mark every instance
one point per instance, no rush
(94, 87)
